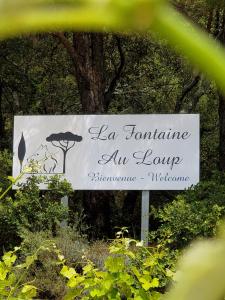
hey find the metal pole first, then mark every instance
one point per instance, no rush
(145, 216)
(64, 202)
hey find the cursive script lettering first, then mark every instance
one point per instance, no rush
(114, 158)
(147, 158)
(135, 134)
(101, 133)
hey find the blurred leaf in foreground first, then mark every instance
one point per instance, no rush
(20, 16)
(93, 15)
(201, 272)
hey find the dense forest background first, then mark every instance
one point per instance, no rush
(82, 73)
(93, 250)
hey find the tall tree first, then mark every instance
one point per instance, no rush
(87, 53)
(216, 27)
(220, 32)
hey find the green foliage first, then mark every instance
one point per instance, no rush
(5, 171)
(32, 210)
(116, 15)
(209, 134)
(38, 212)
(10, 287)
(130, 271)
(97, 252)
(212, 191)
(45, 271)
(13, 272)
(58, 188)
(195, 213)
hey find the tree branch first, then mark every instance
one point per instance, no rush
(195, 101)
(66, 43)
(71, 146)
(186, 90)
(113, 83)
(61, 147)
(210, 20)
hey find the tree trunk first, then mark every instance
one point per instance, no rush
(221, 106)
(2, 129)
(90, 76)
(64, 161)
(87, 54)
(221, 132)
(89, 66)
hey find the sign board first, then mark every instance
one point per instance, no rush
(111, 152)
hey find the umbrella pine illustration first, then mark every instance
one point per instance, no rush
(65, 141)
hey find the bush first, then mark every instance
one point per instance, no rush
(193, 214)
(97, 252)
(13, 273)
(6, 168)
(130, 271)
(32, 210)
(125, 270)
(45, 271)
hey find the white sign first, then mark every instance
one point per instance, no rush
(111, 152)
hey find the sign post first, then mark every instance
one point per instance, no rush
(64, 202)
(112, 152)
(145, 216)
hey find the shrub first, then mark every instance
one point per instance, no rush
(6, 168)
(45, 272)
(97, 252)
(13, 273)
(193, 214)
(130, 271)
(32, 210)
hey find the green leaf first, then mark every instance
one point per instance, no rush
(12, 179)
(145, 283)
(155, 283)
(17, 248)
(29, 16)
(142, 295)
(29, 290)
(87, 268)
(202, 50)
(107, 284)
(68, 272)
(9, 258)
(97, 293)
(3, 271)
(72, 294)
(130, 254)
(115, 264)
(30, 260)
(75, 281)
(21, 266)
(156, 296)
(201, 273)
(149, 262)
(169, 273)
(135, 271)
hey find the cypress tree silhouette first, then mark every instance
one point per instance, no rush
(21, 151)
